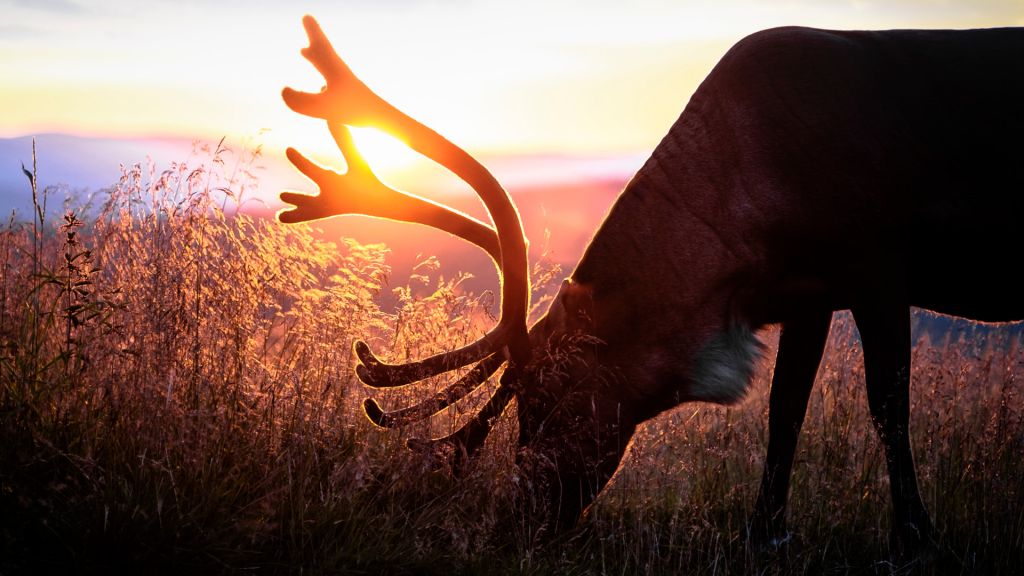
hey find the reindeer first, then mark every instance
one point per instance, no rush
(811, 171)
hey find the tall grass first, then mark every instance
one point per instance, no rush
(177, 393)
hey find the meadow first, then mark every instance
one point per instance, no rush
(177, 395)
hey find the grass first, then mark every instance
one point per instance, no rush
(177, 394)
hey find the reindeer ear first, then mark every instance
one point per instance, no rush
(576, 302)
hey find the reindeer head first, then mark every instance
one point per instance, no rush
(573, 425)
(572, 432)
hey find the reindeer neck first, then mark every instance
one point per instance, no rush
(674, 226)
(669, 264)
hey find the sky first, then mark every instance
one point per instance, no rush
(523, 77)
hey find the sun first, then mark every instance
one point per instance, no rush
(389, 158)
(383, 152)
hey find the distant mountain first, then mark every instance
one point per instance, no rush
(75, 163)
(80, 163)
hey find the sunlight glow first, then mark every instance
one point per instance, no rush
(383, 152)
(527, 77)
(390, 159)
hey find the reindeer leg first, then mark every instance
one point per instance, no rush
(800, 348)
(885, 335)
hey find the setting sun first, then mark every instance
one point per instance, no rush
(382, 151)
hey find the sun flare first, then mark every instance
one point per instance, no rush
(383, 152)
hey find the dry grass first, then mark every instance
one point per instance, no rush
(176, 394)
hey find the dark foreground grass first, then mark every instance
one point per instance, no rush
(176, 396)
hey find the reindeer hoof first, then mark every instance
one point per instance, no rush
(913, 542)
(764, 537)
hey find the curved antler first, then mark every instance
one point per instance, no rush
(346, 100)
(453, 393)
(359, 191)
(470, 437)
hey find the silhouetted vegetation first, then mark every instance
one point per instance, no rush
(176, 394)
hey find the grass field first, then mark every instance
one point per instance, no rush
(177, 395)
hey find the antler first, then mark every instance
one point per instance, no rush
(453, 393)
(359, 191)
(467, 439)
(346, 100)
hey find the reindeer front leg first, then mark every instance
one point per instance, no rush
(796, 365)
(885, 335)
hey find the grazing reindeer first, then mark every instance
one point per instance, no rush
(812, 171)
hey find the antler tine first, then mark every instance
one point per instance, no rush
(377, 374)
(470, 437)
(427, 408)
(347, 100)
(359, 191)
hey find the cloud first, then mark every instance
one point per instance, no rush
(64, 6)
(15, 32)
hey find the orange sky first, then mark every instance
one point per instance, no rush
(525, 77)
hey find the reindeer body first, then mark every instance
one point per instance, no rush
(819, 170)
(815, 171)
(812, 171)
